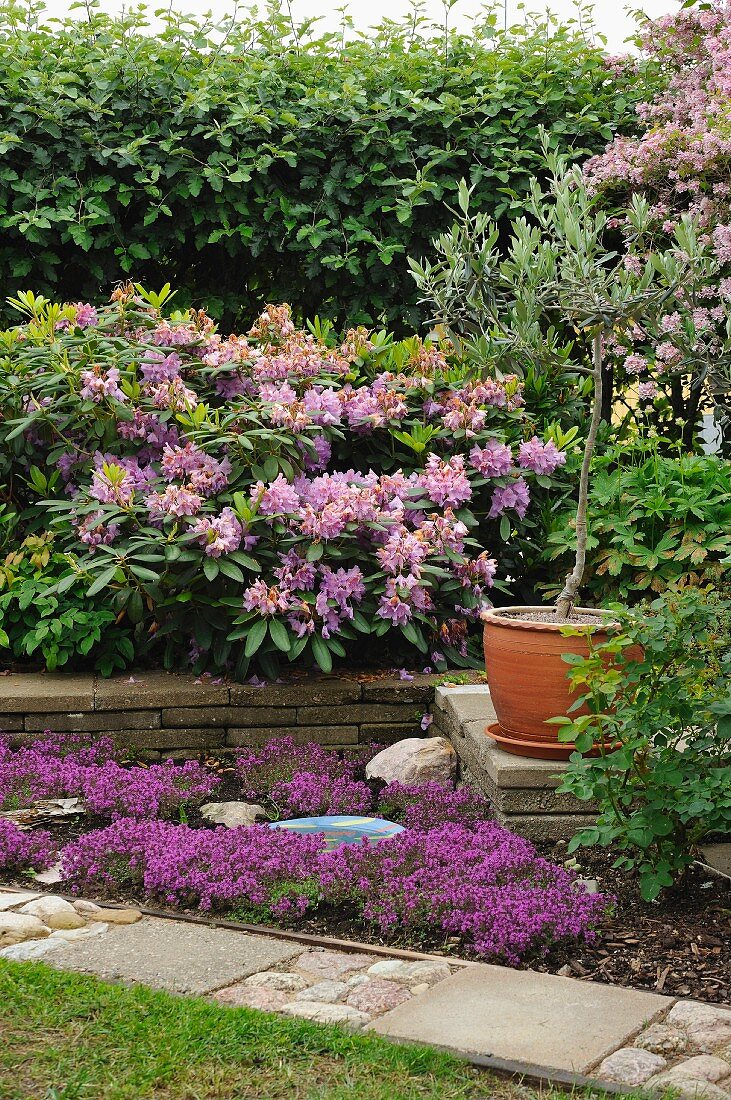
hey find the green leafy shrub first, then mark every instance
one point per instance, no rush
(45, 612)
(654, 522)
(659, 692)
(259, 162)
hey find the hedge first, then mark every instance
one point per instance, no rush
(266, 164)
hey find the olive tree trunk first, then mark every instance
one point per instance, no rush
(570, 593)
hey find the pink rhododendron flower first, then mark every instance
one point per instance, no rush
(220, 535)
(541, 458)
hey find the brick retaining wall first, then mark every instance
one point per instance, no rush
(159, 714)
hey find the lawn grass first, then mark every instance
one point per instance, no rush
(66, 1036)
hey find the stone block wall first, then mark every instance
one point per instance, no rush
(158, 715)
(521, 791)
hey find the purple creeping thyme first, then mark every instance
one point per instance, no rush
(427, 805)
(52, 766)
(485, 885)
(279, 761)
(177, 865)
(144, 793)
(309, 794)
(25, 851)
(58, 766)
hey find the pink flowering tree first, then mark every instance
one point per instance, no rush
(279, 496)
(557, 275)
(680, 361)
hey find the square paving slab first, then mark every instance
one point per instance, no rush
(172, 955)
(522, 1016)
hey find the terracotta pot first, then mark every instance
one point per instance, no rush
(528, 679)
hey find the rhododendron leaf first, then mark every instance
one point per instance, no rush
(210, 568)
(321, 653)
(203, 632)
(297, 646)
(102, 581)
(135, 607)
(144, 574)
(255, 637)
(230, 570)
(414, 635)
(246, 560)
(360, 623)
(279, 635)
(315, 551)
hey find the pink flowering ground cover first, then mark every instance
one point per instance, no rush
(282, 496)
(451, 873)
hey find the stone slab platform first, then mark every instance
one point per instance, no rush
(523, 1016)
(521, 791)
(177, 957)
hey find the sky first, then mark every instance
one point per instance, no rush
(610, 16)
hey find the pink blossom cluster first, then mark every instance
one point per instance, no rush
(96, 384)
(679, 163)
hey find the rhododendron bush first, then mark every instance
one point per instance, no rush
(452, 872)
(275, 495)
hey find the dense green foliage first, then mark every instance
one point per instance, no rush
(658, 700)
(262, 163)
(654, 522)
(56, 627)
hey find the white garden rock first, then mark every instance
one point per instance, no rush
(684, 1087)
(408, 973)
(708, 1026)
(54, 912)
(630, 1066)
(278, 980)
(415, 760)
(706, 1067)
(70, 935)
(19, 927)
(327, 1014)
(327, 992)
(32, 949)
(87, 908)
(662, 1039)
(233, 815)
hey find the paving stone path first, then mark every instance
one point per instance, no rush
(609, 1033)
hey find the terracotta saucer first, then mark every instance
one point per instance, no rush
(537, 750)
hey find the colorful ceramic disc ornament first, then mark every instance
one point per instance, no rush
(342, 830)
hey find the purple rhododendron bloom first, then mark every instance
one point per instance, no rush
(220, 535)
(516, 495)
(495, 459)
(541, 458)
